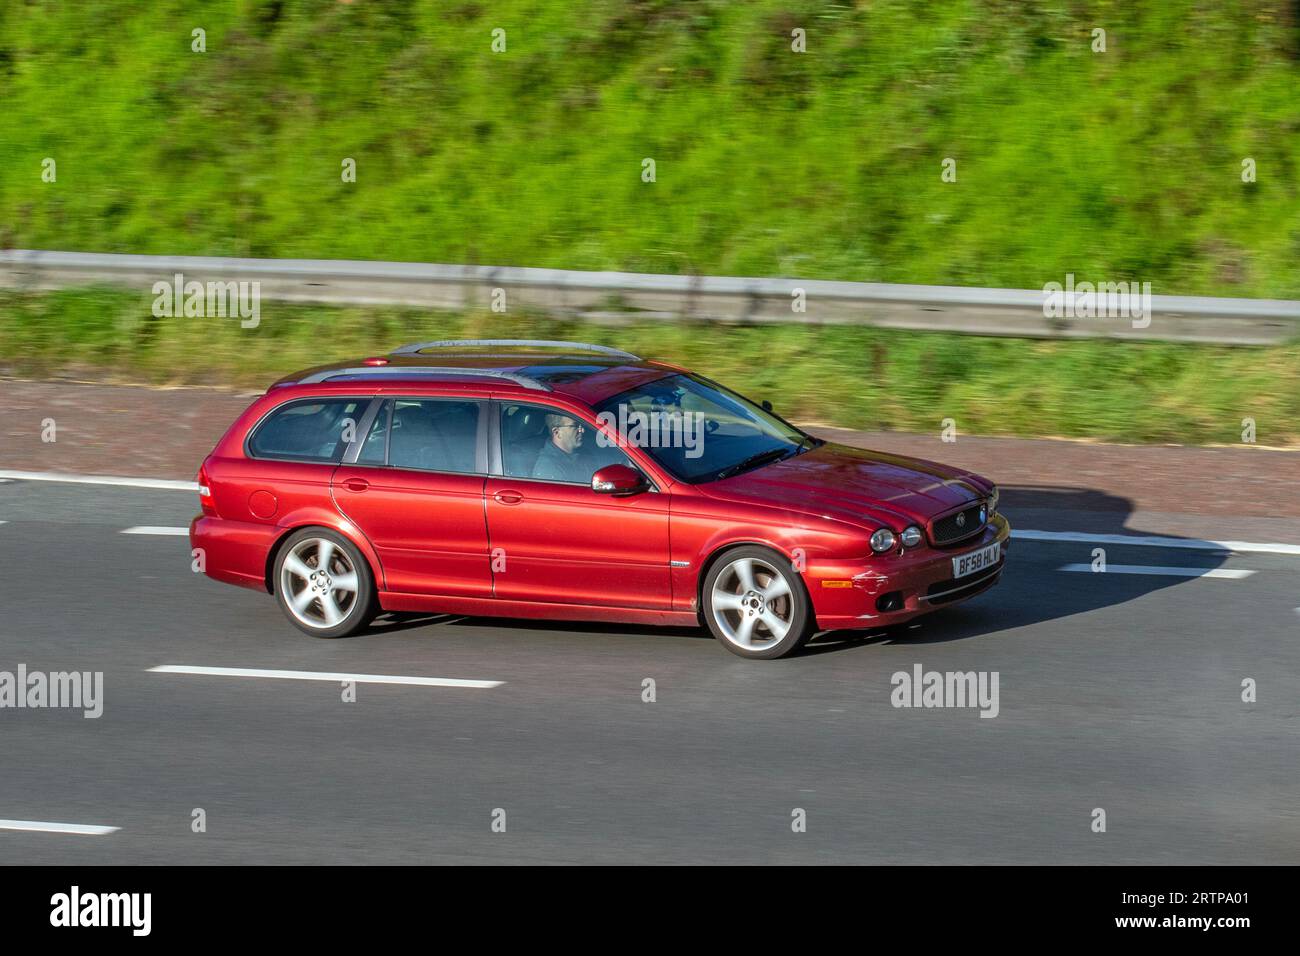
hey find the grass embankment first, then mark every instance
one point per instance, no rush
(1122, 165)
(849, 376)
(1116, 165)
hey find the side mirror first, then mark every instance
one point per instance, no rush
(618, 480)
(767, 406)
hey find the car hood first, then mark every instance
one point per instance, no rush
(855, 485)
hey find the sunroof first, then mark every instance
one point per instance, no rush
(561, 374)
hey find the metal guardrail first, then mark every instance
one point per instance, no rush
(615, 297)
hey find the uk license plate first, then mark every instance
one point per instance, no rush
(976, 560)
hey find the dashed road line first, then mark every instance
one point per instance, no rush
(37, 826)
(1025, 534)
(152, 529)
(1174, 572)
(321, 675)
(166, 484)
(1151, 541)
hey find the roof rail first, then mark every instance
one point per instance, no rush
(425, 370)
(417, 347)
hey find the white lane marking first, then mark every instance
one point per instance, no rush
(36, 826)
(1253, 547)
(1174, 572)
(1150, 541)
(321, 675)
(167, 484)
(151, 529)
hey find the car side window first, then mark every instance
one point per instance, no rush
(545, 444)
(434, 434)
(308, 430)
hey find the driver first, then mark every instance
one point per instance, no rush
(560, 459)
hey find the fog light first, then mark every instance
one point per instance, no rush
(910, 537)
(882, 541)
(893, 601)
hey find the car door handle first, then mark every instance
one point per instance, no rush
(356, 484)
(508, 497)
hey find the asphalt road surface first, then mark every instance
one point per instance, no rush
(1117, 691)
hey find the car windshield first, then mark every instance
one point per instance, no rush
(698, 430)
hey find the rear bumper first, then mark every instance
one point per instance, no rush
(235, 552)
(919, 582)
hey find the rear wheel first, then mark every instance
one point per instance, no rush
(324, 584)
(756, 605)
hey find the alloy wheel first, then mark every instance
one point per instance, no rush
(752, 604)
(319, 583)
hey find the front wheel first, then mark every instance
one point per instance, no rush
(756, 605)
(324, 584)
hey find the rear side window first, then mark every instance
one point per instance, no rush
(308, 430)
(431, 435)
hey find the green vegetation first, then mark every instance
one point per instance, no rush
(848, 376)
(1117, 165)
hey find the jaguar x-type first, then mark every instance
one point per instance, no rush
(560, 480)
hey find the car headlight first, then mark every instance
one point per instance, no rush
(993, 501)
(883, 540)
(911, 536)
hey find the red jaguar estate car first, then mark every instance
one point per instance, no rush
(559, 480)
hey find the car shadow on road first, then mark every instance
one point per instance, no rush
(1033, 589)
(390, 622)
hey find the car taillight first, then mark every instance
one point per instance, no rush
(205, 494)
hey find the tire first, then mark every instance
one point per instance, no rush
(333, 601)
(755, 604)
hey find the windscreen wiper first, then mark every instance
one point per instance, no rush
(753, 461)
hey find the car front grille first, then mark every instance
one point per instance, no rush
(958, 525)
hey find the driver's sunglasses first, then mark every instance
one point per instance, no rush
(581, 428)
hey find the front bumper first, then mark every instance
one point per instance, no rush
(914, 582)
